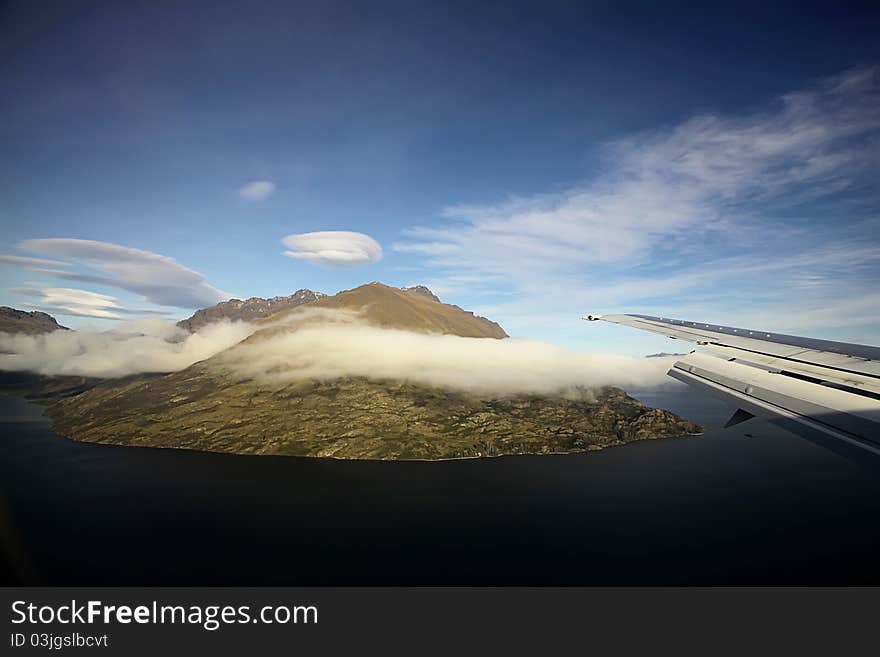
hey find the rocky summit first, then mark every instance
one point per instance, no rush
(22, 321)
(247, 310)
(424, 291)
(207, 407)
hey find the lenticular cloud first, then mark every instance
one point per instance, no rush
(333, 248)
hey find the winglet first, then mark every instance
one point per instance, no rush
(738, 417)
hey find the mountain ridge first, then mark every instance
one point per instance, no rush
(13, 320)
(248, 309)
(411, 309)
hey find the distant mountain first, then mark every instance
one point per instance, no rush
(663, 354)
(248, 310)
(22, 321)
(208, 407)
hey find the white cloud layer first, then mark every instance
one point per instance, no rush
(333, 248)
(159, 279)
(259, 190)
(322, 344)
(477, 365)
(152, 345)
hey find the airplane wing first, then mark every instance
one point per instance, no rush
(826, 391)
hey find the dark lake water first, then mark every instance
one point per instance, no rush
(722, 508)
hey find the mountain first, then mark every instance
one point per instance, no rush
(247, 310)
(412, 309)
(664, 354)
(22, 321)
(208, 407)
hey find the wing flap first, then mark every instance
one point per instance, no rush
(848, 416)
(862, 360)
(817, 388)
(824, 374)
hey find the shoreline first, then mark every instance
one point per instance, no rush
(44, 401)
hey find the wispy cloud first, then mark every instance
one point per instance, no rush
(24, 261)
(159, 279)
(713, 207)
(333, 248)
(259, 190)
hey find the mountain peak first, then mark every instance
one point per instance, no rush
(424, 291)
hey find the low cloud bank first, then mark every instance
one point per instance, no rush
(146, 346)
(323, 344)
(477, 365)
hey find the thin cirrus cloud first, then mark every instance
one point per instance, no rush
(258, 190)
(24, 261)
(157, 278)
(698, 209)
(333, 248)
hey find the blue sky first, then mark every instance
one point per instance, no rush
(531, 162)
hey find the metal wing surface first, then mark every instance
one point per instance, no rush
(826, 391)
